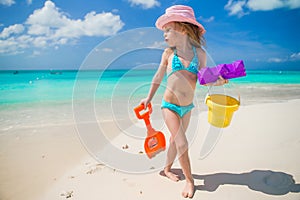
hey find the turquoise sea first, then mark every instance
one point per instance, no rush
(19, 87)
(42, 98)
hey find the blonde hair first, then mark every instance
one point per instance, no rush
(193, 31)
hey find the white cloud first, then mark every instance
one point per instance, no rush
(264, 5)
(146, 4)
(257, 5)
(40, 42)
(103, 24)
(115, 10)
(9, 46)
(14, 29)
(106, 50)
(158, 45)
(293, 4)
(7, 2)
(50, 20)
(11, 2)
(210, 19)
(242, 7)
(236, 7)
(295, 56)
(36, 29)
(292, 57)
(49, 16)
(276, 60)
(49, 26)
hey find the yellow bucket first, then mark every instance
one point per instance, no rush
(220, 109)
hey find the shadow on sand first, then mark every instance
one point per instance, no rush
(265, 181)
(268, 182)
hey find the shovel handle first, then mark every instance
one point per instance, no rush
(146, 113)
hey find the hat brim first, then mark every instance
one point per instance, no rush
(164, 19)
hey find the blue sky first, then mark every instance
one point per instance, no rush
(39, 34)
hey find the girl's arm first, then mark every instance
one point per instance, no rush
(157, 78)
(202, 58)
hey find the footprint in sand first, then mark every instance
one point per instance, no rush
(95, 168)
(67, 194)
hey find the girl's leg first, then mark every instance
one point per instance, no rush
(177, 126)
(185, 162)
(171, 155)
(173, 123)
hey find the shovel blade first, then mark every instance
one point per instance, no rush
(154, 143)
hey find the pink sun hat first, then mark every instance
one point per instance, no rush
(178, 13)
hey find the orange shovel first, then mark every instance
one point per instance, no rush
(155, 141)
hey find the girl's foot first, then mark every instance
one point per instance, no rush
(188, 191)
(171, 175)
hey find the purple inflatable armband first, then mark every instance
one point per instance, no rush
(227, 71)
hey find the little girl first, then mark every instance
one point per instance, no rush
(181, 62)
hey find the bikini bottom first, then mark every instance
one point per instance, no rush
(180, 110)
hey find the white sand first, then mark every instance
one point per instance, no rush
(257, 157)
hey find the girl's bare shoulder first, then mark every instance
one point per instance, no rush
(200, 52)
(168, 51)
(166, 55)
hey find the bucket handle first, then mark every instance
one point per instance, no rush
(232, 86)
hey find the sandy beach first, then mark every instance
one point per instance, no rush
(256, 157)
(71, 75)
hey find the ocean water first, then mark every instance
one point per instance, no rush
(44, 86)
(31, 98)
(31, 87)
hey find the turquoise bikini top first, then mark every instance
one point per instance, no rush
(177, 65)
